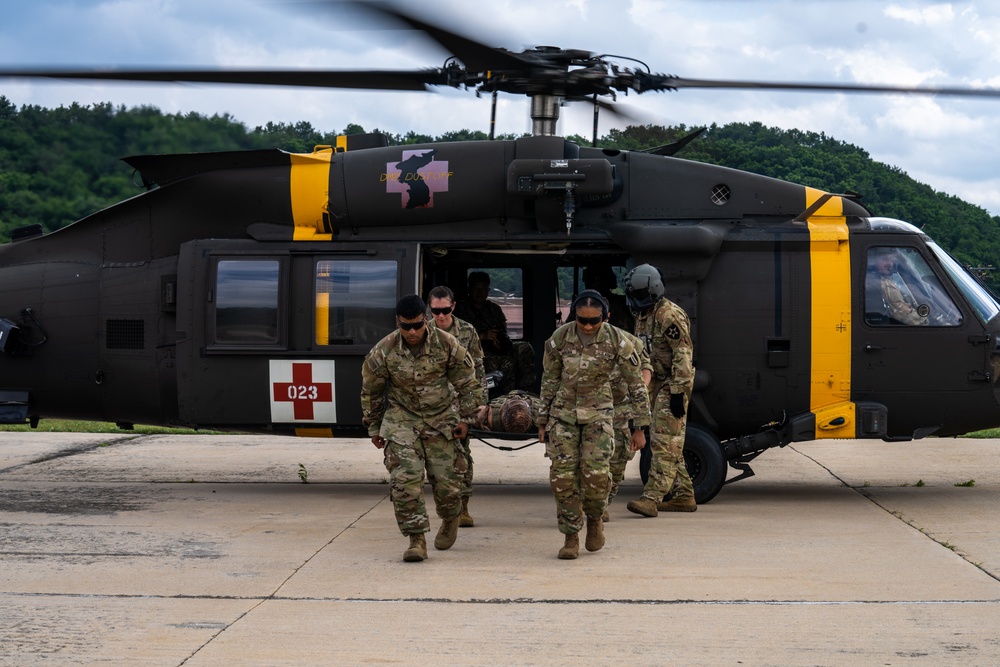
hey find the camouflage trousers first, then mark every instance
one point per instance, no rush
(619, 460)
(466, 448)
(667, 471)
(445, 464)
(578, 471)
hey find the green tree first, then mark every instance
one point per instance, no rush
(59, 165)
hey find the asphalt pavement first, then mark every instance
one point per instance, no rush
(248, 550)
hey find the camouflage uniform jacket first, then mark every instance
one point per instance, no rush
(576, 381)
(901, 308)
(403, 390)
(467, 336)
(487, 316)
(666, 331)
(623, 406)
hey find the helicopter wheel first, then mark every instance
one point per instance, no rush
(704, 460)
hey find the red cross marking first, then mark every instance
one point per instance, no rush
(302, 392)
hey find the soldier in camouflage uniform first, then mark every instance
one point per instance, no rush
(418, 394)
(623, 450)
(666, 331)
(576, 413)
(623, 413)
(442, 304)
(515, 359)
(900, 306)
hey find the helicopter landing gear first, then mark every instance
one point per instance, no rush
(704, 459)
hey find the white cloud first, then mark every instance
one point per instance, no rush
(933, 15)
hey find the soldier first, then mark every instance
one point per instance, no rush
(418, 394)
(442, 303)
(666, 331)
(896, 296)
(515, 359)
(624, 452)
(510, 413)
(575, 415)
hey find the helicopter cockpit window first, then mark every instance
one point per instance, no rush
(489, 293)
(902, 290)
(982, 301)
(246, 301)
(355, 301)
(605, 276)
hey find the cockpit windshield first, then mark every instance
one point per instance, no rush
(985, 305)
(901, 289)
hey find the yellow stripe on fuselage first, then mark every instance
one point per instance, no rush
(830, 259)
(310, 194)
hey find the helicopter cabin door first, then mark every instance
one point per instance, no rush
(274, 334)
(919, 348)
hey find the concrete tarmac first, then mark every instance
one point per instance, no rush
(210, 550)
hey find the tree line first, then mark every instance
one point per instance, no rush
(59, 165)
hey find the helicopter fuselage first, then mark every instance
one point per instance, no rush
(243, 290)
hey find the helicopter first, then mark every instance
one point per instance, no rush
(242, 290)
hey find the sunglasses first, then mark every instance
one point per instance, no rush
(589, 321)
(411, 326)
(442, 311)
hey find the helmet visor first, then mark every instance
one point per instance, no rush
(639, 299)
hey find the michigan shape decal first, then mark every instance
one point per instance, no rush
(302, 391)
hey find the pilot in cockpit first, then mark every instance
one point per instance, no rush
(896, 296)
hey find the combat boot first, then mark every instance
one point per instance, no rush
(465, 519)
(643, 506)
(446, 534)
(595, 534)
(678, 505)
(418, 549)
(571, 549)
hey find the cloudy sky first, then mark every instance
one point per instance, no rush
(948, 143)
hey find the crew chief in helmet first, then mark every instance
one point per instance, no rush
(666, 330)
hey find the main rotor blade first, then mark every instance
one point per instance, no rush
(362, 79)
(667, 82)
(618, 110)
(476, 56)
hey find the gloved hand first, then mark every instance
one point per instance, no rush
(677, 405)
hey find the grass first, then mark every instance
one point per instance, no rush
(988, 433)
(80, 426)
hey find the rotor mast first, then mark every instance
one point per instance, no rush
(544, 114)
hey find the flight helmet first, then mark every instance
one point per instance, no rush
(643, 287)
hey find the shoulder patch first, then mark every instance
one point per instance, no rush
(673, 332)
(375, 360)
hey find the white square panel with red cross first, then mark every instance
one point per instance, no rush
(302, 391)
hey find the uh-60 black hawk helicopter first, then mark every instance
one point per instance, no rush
(243, 289)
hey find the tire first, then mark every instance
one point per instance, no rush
(703, 458)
